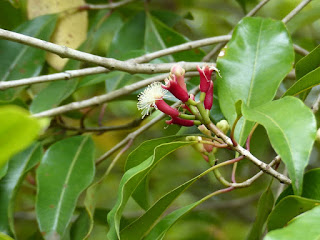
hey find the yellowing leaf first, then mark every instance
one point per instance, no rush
(71, 29)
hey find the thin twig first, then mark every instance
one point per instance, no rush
(105, 6)
(96, 70)
(105, 97)
(130, 137)
(300, 50)
(263, 166)
(102, 129)
(316, 104)
(255, 177)
(110, 63)
(295, 11)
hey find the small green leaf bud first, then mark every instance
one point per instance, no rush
(223, 125)
(318, 136)
(202, 128)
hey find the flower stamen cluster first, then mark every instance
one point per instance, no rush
(152, 97)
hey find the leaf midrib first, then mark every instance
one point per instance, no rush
(58, 210)
(252, 80)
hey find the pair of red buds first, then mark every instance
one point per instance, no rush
(154, 93)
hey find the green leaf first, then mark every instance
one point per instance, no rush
(3, 170)
(160, 229)
(307, 74)
(265, 206)
(53, 95)
(140, 154)
(167, 37)
(311, 186)
(288, 208)
(129, 37)
(18, 167)
(291, 127)
(22, 61)
(305, 226)
(80, 227)
(17, 131)
(143, 224)
(130, 181)
(254, 62)
(4, 237)
(65, 171)
(307, 82)
(143, 32)
(308, 63)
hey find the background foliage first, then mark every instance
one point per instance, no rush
(56, 182)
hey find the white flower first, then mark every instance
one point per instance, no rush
(147, 98)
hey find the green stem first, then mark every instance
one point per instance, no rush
(221, 179)
(191, 102)
(216, 172)
(204, 114)
(232, 131)
(202, 97)
(195, 112)
(187, 116)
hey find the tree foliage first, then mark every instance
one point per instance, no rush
(225, 148)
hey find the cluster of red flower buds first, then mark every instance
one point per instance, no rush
(175, 84)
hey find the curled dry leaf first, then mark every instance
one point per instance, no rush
(71, 29)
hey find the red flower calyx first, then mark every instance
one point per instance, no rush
(180, 121)
(205, 77)
(172, 85)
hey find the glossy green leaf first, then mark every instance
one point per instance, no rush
(143, 224)
(18, 167)
(167, 37)
(288, 208)
(160, 229)
(291, 127)
(129, 37)
(3, 170)
(305, 226)
(130, 181)
(66, 169)
(265, 206)
(308, 63)
(5, 237)
(254, 62)
(145, 32)
(53, 95)
(307, 82)
(140, 194)
(17, 131)
(311, 186)
(80, 227)
(141, 153)
(22, 61)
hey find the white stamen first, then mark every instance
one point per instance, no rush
(147, 98)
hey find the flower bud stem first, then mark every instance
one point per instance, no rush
(232, 131)
(187, 116)
(195, 112)
(204, 114)
(202, 96)
(191, 102)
